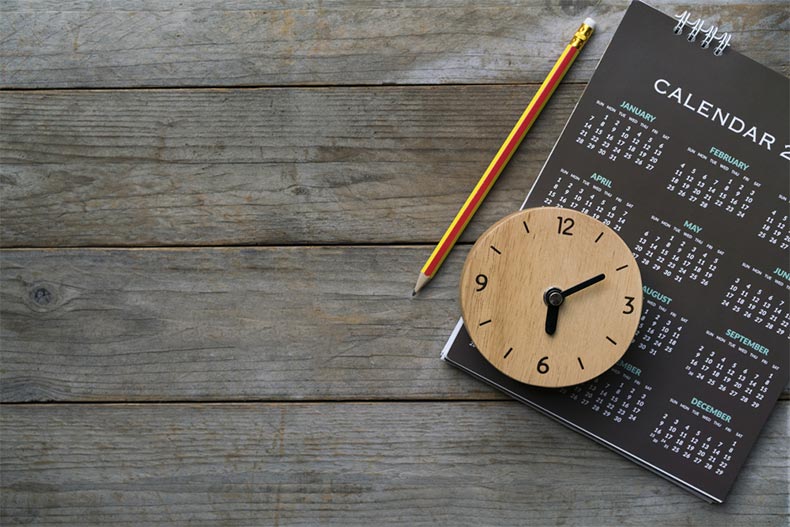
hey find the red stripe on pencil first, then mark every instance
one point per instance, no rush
(504, 154)
(501, 161)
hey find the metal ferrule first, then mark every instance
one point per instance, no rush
(582, 36)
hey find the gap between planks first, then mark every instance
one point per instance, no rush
(783, 397)
(232, 246)
(191, 402)
(188, 87)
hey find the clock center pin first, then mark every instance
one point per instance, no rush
(553, 297)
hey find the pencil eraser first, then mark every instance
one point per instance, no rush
(590, 22)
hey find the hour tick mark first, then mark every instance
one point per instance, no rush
(621, 267)
(610, 340)
(485, 322)
(526, 227)
(598, 238)
(580, 362)
(508, 352)
(496, 250)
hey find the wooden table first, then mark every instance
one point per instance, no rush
(213, 214)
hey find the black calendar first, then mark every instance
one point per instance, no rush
(682, 146)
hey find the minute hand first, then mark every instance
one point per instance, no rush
(583, 285)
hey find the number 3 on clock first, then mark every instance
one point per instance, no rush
(629, 305)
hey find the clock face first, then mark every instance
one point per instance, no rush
(551, 297)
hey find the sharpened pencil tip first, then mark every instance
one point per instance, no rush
(421, 281)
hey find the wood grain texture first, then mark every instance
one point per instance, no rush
(227, 324)
(373, 164)
(113, 43)
(261, 166)
(220, 324)
(409, 464)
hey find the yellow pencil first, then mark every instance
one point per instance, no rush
(504, 154)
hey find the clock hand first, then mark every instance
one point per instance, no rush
(553, 299)
(587, 283)
(551, 319)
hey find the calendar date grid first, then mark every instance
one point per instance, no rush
(614, 134)
(677, 254)
(616, 395)
(571, 191)
(685, 432)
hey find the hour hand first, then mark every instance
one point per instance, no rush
(551, 319)
(553, 299)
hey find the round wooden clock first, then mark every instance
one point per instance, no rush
(551, 297)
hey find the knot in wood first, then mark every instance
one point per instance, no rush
(41, 296)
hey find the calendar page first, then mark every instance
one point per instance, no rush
(685, 155)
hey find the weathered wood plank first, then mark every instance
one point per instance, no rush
(227, 324)
(262, 166)
(106, 43)
(218, 324)
(415, 464)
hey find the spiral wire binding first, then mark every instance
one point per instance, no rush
(698, 26)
